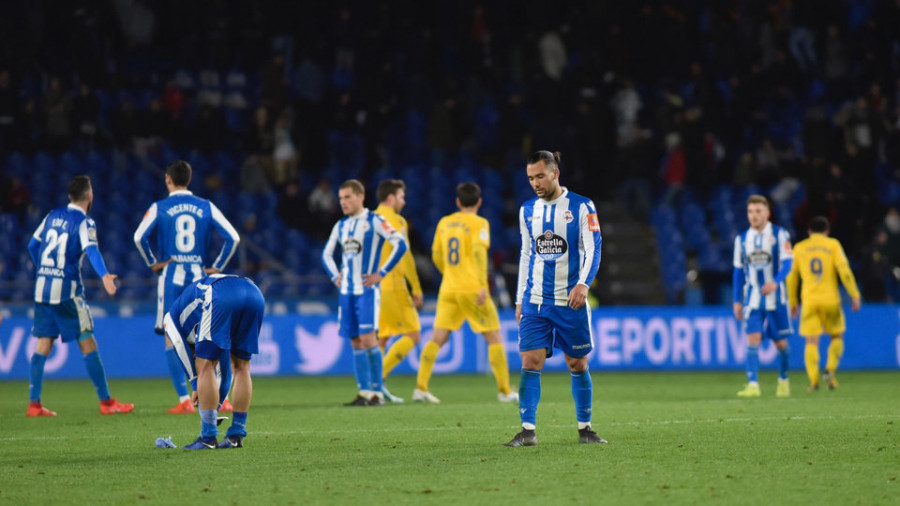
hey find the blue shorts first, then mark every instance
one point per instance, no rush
(70, 319)
(231, 320)
(775, 324)
(170, 284)
(559, 327)
(358, 314)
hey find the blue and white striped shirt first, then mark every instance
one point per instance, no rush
(560, 248)
(760, 257)
(361, 238)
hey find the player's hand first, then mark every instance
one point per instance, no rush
(518, 313)
(195, 398)
(370, 280)
(795, 311)
(109, 283)
(159, 266)
(482, 296)
(418, 300)
(578, 296)
(855, 304)
(738, 309)
(337, 281)
(211, 270)
(768, 288)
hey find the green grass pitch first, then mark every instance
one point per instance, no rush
(675, 438)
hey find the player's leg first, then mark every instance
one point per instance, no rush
(535, 345)
(167, 292)
(401, 319)
(811, 360)
(753, 324)
(398, 351)
(835, 327)
(779, 329)
(439, 336)
(243, 393)
(483, 318)
(44, 325)
(207, 395)
(368, 309)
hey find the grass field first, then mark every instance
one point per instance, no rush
(675, 438)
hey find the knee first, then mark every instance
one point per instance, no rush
(578, 365)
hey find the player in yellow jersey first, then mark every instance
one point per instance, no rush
(818, 261)
(459, 252)
(398, 316)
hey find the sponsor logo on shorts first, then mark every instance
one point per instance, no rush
(581, 346)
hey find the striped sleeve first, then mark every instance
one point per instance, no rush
(142, 235)
(231, 236)
(524, 256)
(591, 241)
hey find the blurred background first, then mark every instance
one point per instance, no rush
(668, 115)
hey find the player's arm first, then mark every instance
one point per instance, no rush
(176, 336)
(408, 266)
(481, 242)
(785, 261)
(385, 230)
(737, 281)
(328, 255)
(793, 288)
(231, 236)
(34, 245)
(846, 275)
(437, 250)
(590, 242)
(142, 236)
(87, 235)
(524, 259)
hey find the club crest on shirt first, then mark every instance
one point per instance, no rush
(351, 247)
(567, 216)
(550, 246)
(759, 257)
(92, 234)
(364, 226)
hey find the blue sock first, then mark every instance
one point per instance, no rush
(753, 364)
(362, 369)
(529, 395)
(784, 362)
(582, 392)
(208, 427)
(36, 383)
(375, 365)
(97, 374)
(176, 372)
(238, 425)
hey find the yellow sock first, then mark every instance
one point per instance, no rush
(426, 364)
(835, 350)
(396, 354)
(811, 354)
(497, 359)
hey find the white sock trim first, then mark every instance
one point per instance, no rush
(183, 398)
(528, 426)
(584, 425)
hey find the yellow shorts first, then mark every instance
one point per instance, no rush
(455, 308)
(398, 314)
(816, 319)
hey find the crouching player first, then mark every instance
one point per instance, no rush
(219, 314)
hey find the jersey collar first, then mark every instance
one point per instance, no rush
(180, 192)
(73, 207)
(565, 191)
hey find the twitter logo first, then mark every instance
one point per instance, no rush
(318, 352)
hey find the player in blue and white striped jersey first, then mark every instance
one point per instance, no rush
(361, 235)
(57, 249)
(182, 223)
(762, 262)
(559, 260)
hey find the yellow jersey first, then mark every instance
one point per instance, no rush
(405, 270)
(818, 261)
(459, 252)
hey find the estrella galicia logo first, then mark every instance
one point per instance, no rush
(351, 247)
(759, 257)
(550, 246)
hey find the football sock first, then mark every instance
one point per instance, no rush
(208, 427)
(582, 392)
(529, 396)
(375, 364)
(36, 383)
(426, 364)
(784, 362)
(97, 374)
(811, 358)
(396, 353)
(497, 360)
(238, 425)
(362, 369)
(176, 372)
(835, 350)
(752, 364)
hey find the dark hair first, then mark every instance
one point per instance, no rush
(354, 185)
(180, 172)
(819, 225)
(79, 187)
(468, 194)
(551, 160)
(389, 187)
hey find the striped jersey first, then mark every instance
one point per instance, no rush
(560, 248)
(182, 223)
(763, 256)
(63, 238)
(361, 239)
(818, 262)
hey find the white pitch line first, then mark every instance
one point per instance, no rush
(492, 428)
